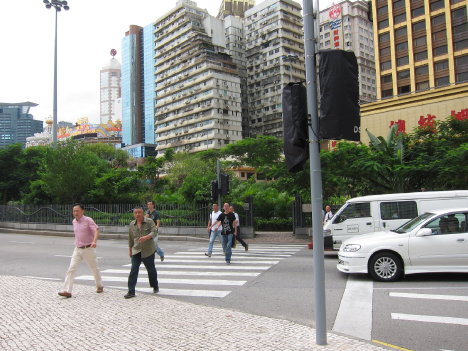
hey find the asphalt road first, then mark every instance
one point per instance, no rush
(273, 280)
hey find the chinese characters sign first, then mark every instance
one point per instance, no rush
(336, 28)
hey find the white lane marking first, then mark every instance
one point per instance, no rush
(251, 250)
(433, 288)
(171, 281)
(243, 256)
(355, 313)
(430, 297)
(162, 272)
(41, 278)
(222, 267)
(430, 319)
(181, 292)
(213, 259)
(21, 242)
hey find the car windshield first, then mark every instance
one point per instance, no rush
(409, 226)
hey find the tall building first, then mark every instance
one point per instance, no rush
(110, 88)
(273, 29)
(198, 93)
(16, 123)
(346, 26)
(236, 46)
(421, 45)
(235, 8)
(138, 89)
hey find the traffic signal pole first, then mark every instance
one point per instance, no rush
(315, 173)
(219, 185)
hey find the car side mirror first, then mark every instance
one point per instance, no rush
(424, 232)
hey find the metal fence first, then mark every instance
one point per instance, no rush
(172, 215)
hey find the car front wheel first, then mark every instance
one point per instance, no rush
(385, 267)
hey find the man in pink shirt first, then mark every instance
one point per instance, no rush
(86, 235)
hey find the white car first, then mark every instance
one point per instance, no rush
(436, 241)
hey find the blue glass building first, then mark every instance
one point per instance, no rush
(138, 89)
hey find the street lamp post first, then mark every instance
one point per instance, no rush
(57, 4)
(290, 58)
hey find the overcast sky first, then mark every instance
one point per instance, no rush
(86, 34)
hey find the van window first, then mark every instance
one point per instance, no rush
(354, 210)
(398, 210)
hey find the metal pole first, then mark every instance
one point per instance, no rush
(54, 125)
(315, 175)
(290, 71)
(219, 184)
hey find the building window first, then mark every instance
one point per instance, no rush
(419, 26)
(422, 70)
(398, 4)
(461, 77)
(439, 35)
(402, 46)
(384, 37)
(456, 1)
(385, 51)
(383, 24)
(460, 45)
(418, 12)
(399, 18)
(382, 10)
(419, 41)
(400, 32)
(459, 61)
(405, 89)
(403, 74)
(401, 61)
(440, 50)
(420, 56)
(422, 85)
(462, 28)
(459, 13)
(437, 5)
(387, 93)
(442, 81)
(438, 19)
(386, 65)
(387, 79)
(438, 66)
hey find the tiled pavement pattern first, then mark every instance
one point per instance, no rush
(34, 317)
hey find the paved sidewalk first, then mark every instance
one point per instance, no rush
(34, 317)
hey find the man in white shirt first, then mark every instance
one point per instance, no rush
(213, 233)
(328, 215)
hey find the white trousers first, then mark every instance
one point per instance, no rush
(90, 257)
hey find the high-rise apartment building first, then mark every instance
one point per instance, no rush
(236, 45)
(422, 44)
(346, 26)
(273, 29)
(110, 88)
(235, 8)
(16, 123)
(198, 93)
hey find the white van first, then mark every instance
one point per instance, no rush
(373, 213)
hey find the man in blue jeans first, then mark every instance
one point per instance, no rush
(141, 234)
(213, 233)
(227, 221)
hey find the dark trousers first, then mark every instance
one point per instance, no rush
(239, 239)
(150, 267)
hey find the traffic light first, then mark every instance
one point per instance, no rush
(295, 126)
(339, 89)
(214, 191)
(224, 184)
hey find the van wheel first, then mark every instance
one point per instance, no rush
(385, 267)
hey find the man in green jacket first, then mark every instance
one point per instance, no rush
(141, 246)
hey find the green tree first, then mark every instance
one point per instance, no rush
(116, 158)
(11, 175)
(69, 171)
(116, 186)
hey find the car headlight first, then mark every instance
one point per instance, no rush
(352, 248)
(326, 232)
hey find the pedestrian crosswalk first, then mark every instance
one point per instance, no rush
(191, 273)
